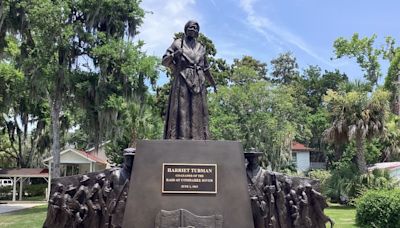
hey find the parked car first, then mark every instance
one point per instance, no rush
(6, 182)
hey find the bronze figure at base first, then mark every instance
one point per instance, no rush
(98, 201)
(277, 203)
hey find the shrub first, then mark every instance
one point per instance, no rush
(5, 189)
(290, 169)
(379, 208)
(378, 179)
(321, 175)
(35, 189)
(346, 183)
(341, 186)
(5, 192)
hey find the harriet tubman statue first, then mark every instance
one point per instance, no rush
(187, 113)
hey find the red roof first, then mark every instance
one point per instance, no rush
(25, 172)
(93, 157)
(300, 147)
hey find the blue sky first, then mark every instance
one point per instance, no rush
(265, 28)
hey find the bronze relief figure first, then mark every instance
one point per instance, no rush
(187, 113)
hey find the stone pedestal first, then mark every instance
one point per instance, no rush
(181, 174)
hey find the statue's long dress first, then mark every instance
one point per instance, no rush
(187, 113)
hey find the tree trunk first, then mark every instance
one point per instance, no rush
(361, 164)
(20, 154)
(20, 150)
(31, 151)
(338, 148)
(56, 103)
(55, 147)
(2, 16)
(133, 141)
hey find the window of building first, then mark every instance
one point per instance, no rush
(69, 169)
(316, 156)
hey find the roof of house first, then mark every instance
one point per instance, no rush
(385, 165)
(296, 146)
(24, 172)
(90, 157)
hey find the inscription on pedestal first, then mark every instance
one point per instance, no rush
(189, 178)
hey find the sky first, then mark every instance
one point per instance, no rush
(265, 28)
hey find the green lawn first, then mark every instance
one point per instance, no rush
(32, 218)
(344, 216)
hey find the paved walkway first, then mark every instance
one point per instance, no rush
(9, 207)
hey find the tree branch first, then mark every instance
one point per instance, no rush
(9, 153)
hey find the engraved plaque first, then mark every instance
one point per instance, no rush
(189, 178)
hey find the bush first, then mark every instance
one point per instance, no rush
(379, 208)
(321, 175)
(342, 185)
(6, 189)
(378, 179)
(346, 183)
(5, 192)
(290, 169)
(35, 189)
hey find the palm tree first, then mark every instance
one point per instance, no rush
(391, 140)
(356, 115)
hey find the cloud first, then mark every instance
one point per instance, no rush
(165, 18)
(274, 34)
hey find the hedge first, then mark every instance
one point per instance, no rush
(379, 208)
(29, 190)
(35, 189)
(5, 192)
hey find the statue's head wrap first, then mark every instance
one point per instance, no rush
(192, 22)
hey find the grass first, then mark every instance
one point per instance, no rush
(34, 198)
(32, 217)
(344, 216)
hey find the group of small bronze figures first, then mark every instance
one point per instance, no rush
(277, 203)
(97, 202)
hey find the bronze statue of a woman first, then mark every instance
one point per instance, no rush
(187, 113)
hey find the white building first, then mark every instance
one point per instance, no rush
(392, 167)
(306, 158)
(73, 161)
